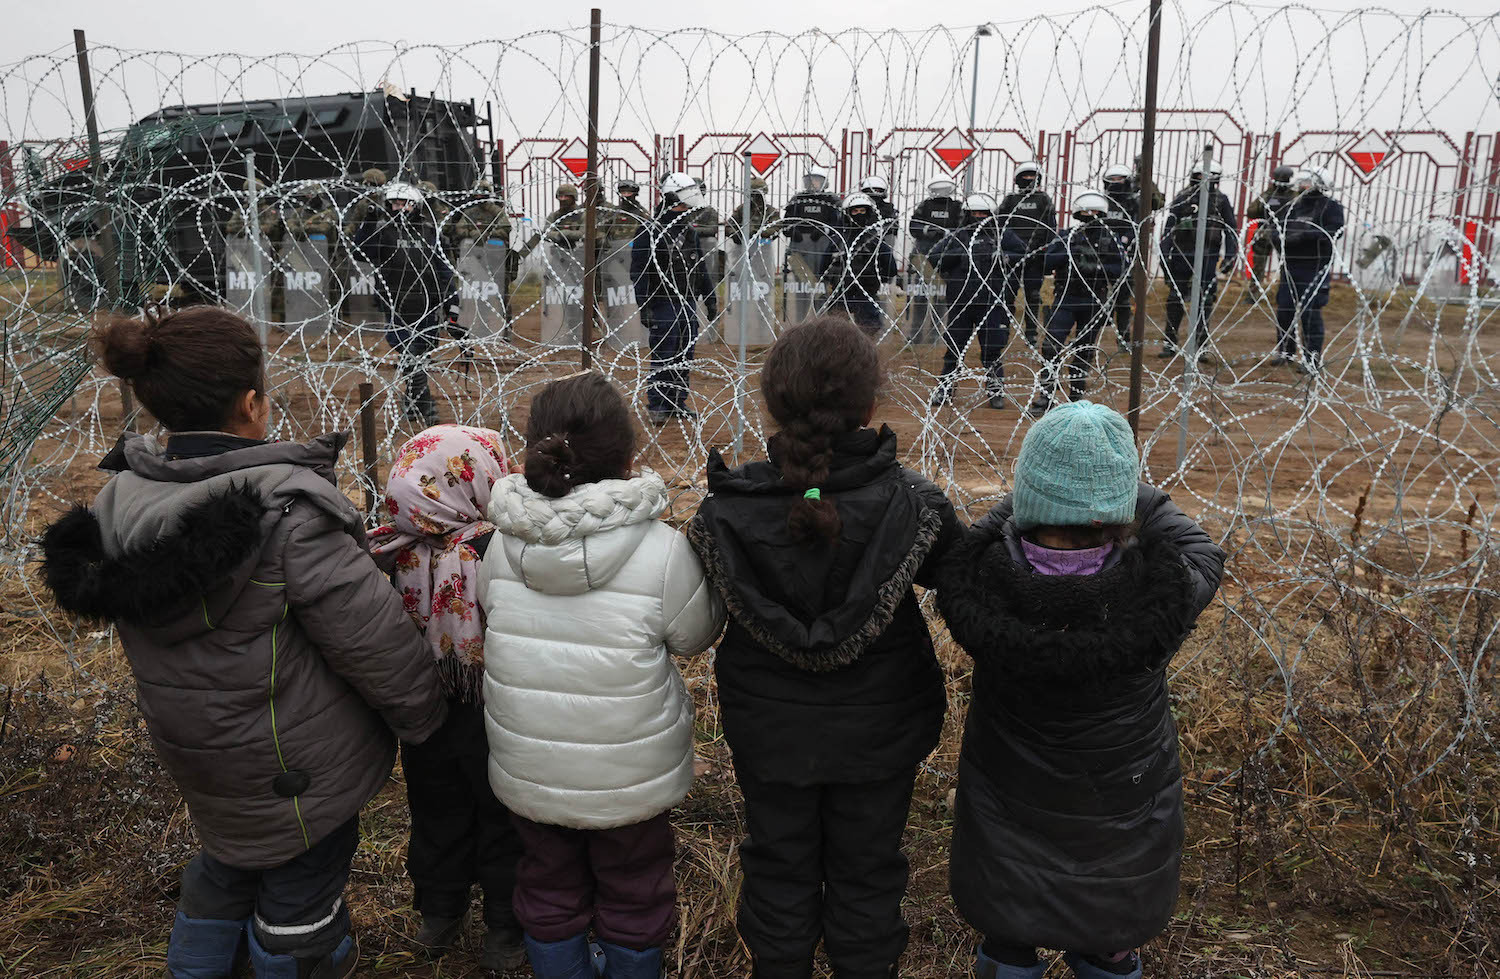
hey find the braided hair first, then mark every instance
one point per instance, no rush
(820, 381)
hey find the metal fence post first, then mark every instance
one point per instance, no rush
(591, 201)
(257, 267)
(744, 308)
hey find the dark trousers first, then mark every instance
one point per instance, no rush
(619, 880)
(1027, 281)
(413, 341)
(460, 833)
(1300, 299)
(1124, 309)
(1180, 293)
(864, 312)
(1089, 321)
(673, 328)
(824, 860)
(298, 906)
(991, 322)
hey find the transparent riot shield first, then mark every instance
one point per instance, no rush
(307, 272)
(481, 273)
(756, 297)
(713, 268)
(242, 293)
(361, 310)
(562, 296)
(617, 294)
(806, 293)
(926, 303)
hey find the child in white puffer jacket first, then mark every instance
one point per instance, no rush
(587, 596)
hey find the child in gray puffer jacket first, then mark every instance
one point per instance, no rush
(1072, 596)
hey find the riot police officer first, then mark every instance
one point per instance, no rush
(706, 220)
(1267, 211)
(860, 265)
(878, 189)
(1179, 241)
(1032, 216)
(814, 220)
(1308, 241)
(1124, 212)
(1087, 262)
(667, 267)
(931, 220)
(415, 284)
(975, 264)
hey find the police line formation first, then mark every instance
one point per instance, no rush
(975, 264)
(515, 633)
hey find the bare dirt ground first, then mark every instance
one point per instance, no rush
(1331, 828)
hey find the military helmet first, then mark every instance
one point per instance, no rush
(627, 183)
(1282, 176)
(757, 184)
(566, 190)
(373, 177)
(483, 187)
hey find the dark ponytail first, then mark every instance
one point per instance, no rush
(579, 431)
(187, 366)
(820, 381)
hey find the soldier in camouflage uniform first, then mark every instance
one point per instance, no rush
(565, 223)
(763, 217)
(312, 215)
(623, 222)
(371, 197)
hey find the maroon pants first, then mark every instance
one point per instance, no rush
(619, 880)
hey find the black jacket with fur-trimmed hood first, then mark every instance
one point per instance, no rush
(273, 660)
(826, 671)
(1068, 830)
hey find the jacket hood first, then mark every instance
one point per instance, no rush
(572, 544)
(1085, 630)
(818, 608)
(166, 536)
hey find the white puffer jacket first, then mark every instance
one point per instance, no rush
(588, 720)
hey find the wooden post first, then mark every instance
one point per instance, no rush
(367, 445)
(1143, 213)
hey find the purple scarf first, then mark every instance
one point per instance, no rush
(1045, 560)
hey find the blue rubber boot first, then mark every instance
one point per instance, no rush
(333, 965)
(204, 948)
(567, 959)
(626, 963)
(988, 968)
(1084, 969)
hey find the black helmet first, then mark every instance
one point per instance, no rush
(1282, 176)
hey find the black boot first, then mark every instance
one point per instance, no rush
(994, 387)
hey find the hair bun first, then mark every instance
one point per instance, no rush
(549, 465)
(127, 347)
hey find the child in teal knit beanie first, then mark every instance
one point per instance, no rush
(1072, 595)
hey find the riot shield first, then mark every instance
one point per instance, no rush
(713, 329)
(481, 273)
(806, 292)
(307, 272)
(241, 292)
(562, 296)
(617, 293)
(361, 310)
(926, 301)
(760, 316)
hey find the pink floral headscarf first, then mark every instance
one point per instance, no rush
(435, 503)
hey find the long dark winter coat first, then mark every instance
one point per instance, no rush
(273, 659)
(1068, 831)
(826, 671)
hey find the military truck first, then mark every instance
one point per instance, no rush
(174, 179)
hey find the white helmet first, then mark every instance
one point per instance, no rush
(679, 188)
(1091, 200)
(1311, 178)
(399, 191)
(941, 187)
(1214, 170)
(875, 185)
(815, 175)
(1115, 172)
(859, 199)
(1031, 168)
(979, 202)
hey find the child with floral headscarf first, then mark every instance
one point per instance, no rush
(435, 534)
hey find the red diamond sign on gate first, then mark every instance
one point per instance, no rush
(763, 152)
(575, 157)
(1369, 152)
(954, 149)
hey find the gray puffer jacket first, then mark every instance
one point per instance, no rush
(272, 657)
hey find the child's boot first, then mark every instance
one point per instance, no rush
(502, 950)
(1097, 967)
(567, 959)
(627, 963)
(293, 964)
(204, 948)
(437, 934)
(988, 968)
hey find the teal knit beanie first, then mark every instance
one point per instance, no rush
(1077, 465)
